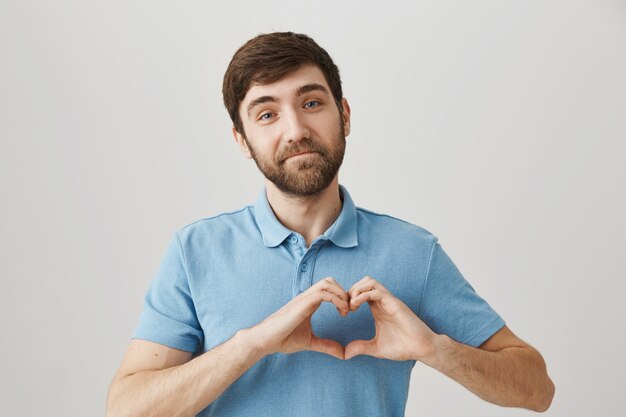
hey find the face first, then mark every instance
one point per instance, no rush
(294, 131)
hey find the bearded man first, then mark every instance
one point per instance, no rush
(303, 304)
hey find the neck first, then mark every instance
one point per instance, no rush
(310, 216)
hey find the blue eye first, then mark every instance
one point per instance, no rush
(312, 104)
(263, 116)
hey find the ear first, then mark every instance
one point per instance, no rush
(241, 143)
(346, 116)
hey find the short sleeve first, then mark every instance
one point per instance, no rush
(169, 315)
(451, 306)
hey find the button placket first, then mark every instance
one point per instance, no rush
(305, 270)
(304, 265)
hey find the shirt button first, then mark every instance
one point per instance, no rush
(294, 239)
(304, 267)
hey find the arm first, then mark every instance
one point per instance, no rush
(156, 380)
(514, 375)
(504, 370)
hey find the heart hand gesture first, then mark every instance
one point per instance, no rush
(400, 334)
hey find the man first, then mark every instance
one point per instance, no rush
(303, 304)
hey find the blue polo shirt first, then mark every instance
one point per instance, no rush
(228, 272)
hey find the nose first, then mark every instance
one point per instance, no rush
(295, 127)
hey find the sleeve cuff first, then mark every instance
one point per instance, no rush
(486, 332)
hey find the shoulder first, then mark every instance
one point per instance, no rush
(217, 226)
(385, 225)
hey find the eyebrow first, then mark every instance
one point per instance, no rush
(260, 100)
(306, 88)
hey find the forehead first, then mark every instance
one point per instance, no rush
(288, 85)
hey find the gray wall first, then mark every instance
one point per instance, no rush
(497, 125)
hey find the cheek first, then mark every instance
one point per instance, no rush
(263, 147)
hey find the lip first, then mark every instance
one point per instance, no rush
(301, 153)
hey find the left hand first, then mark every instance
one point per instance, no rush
(400, 334)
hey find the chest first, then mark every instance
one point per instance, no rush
(246, 286)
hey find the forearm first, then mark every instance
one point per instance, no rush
(186, 389)
(511, 377)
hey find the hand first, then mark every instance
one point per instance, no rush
(400, 334)
(288, 330)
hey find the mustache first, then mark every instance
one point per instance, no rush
(299, 147)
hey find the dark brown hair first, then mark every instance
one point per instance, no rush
(269, 57)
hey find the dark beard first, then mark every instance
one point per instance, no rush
(308, 176)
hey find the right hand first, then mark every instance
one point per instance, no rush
(288, 330)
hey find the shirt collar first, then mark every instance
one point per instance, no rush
(343, 232)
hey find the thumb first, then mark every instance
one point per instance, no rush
(327, 346)
(360, 347)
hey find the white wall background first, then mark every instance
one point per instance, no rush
(497, 125)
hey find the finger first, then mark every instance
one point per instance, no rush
(308, 302)
(331, 285)
(373, 295)
(360, 347)
(341, 304)
(327, 346)
(366, 284)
